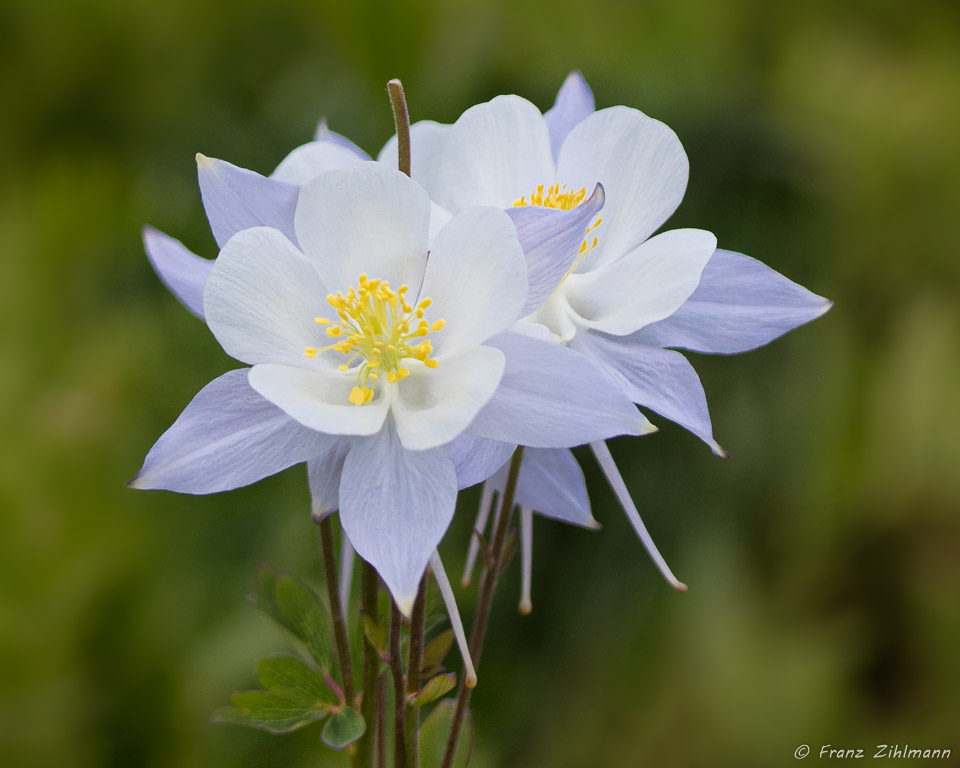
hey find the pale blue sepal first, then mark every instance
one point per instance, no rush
(323, 476)
(659, 379)
(476, 458)
(574, 103)
(236, 199)
(395, 506)
(227, 437)
(739, 305)
(551, 240)
(552, 483)
(323, 133)
(554, 397)
(183, 272)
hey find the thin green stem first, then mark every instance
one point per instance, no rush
(401, 119)
(370, 585)
(488, 585)
(336, 608)
(399, 696)
(414, 663)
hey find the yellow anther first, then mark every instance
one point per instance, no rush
(438, 325)
(377, 324)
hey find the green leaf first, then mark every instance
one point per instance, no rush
(376, 632)
(294, 679)
(343, 728)
(434, 689)
(435, 731)
(271, 712)
(437, 649)
(296, 608)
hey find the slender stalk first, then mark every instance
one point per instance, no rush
(336, 608)
(382, 720)
(488, 585)
(399, 697)
(401, 119)
(414, 662)
(371, 666)
(473, 549)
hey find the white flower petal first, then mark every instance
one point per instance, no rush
(427, 142)
(642, 167)
(574, 103)
(323, 475)
(364, 219)
(476, 278)
(476, 458)
(552, 483)
(644, 286)
(261, 299)
(655, 378)
(434, 405)
(308, 161)
(551, 240)
(497, 152)
(227, 437)
(236, 199)
(554, 397)
(739, 305)
(323, 133)
(320, 399)
(180, 270)
(395, 506)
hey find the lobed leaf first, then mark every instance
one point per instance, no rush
(271, 712)
(293, 678)
(343, 728)
(437, 649)
(434, 689)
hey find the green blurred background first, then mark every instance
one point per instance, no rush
(823, 558)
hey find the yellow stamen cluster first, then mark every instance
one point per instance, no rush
(378, 326)
(558, 196)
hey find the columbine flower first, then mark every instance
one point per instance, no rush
(626, 296)
(380, 367)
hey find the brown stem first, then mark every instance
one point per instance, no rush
(401, 119)
(382, 720)
(488, 585)
(399, 697)
(371, 665)
(414, 662)
(336, 608)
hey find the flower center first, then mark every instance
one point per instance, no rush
(559, 197)
(378, 329)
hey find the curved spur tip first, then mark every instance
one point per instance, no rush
(526, 607)
(471, 681)
(466, 581)
(680, 587)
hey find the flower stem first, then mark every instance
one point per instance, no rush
(488, 585)
(382, 720)
(414, 662)
(399, 697)
(401, 119)
(371, 666)
(336, 608)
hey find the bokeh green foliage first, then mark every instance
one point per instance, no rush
(822, 557)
